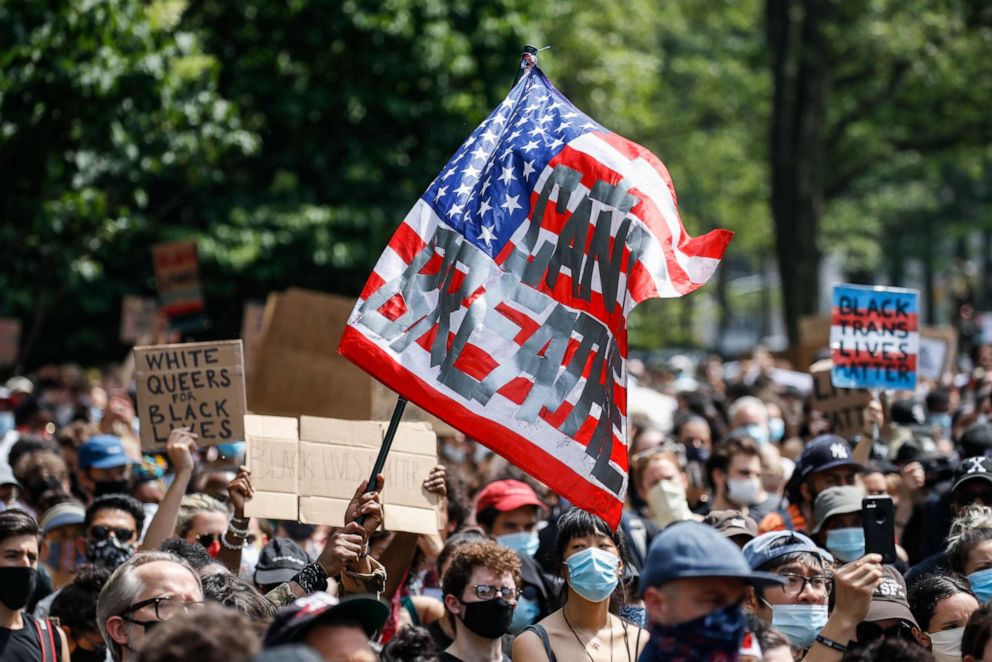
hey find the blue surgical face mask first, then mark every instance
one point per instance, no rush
(941, 420)
(756, 431)
(6, 422)
(525, 614)
(593, 573)
(846, 544)
(981, 584)
(453, 454)
(799, 623)
(776, 429)
(524, 542)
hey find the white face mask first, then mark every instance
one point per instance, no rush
(947, 644)
(668, 503)
(743, 491)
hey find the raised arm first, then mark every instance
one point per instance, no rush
(179, 448)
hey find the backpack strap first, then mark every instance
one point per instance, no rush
(543, 634)
(45, 629)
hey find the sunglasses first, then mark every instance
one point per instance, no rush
(101, 532)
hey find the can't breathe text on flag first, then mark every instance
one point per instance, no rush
(500, 305)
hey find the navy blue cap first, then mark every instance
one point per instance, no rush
(827, 451)
(103, 451)
(775, 544)
(691, 549)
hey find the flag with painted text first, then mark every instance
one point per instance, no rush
(500, 305)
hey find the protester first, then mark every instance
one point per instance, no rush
(75, 609)
(942, 605)
(147, 589)
(209, 633)
(693, 585)
(280, 560)
(733, 524)
(976, 641)
(337, 629)
(231, 591)
(62, 526)
(889, 615)
(969, 549)
(104, 467)
(837, 523)
(591, 559)
(23, 638)
(508, 511)
(734, 473)
(481, 586)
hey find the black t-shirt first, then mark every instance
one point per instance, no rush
(24, 645)
(448, 657)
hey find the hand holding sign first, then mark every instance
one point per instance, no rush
(344, 549)
(180, 448)
(240, 490)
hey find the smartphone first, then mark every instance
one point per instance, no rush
(878, 516)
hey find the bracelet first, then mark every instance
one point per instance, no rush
(232, 547)
(311, 578)
(830, 643)
(236, 531)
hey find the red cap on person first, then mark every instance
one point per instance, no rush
(504, 495)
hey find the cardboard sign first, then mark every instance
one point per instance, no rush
(138, 316)
(844, 407)
(296, 369)
(177, 276)
(874, 337)
(308, 469)
(10, 340)
(937, 347)
(196, 385)
(252, 318)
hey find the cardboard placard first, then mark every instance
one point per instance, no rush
(296, 369)
(138, 317)
(196, 385)
(874, 337)
(177, 277)
(844, 407)
(937, 347)
(308, 469)
(10, 340)
(252, 318)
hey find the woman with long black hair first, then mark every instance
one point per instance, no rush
(590, 557)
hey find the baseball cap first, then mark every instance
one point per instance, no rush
(835, 501)
(775, 544)
(279, 561)
(906, 412)
(731, 523)
(63, 514)
(972, 468)
(103, 451)
(889, 599)
(506, 495)
(825, 452)
(692, 549)
(293, 620)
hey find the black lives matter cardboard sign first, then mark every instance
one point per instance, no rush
(195, 385)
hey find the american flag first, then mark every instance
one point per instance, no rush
(500, 305)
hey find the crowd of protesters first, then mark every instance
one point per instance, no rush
(742, 538)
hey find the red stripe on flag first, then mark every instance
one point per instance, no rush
(532, 459)
(516, 390)
(406, 242)
(374, 282)
(475, 362)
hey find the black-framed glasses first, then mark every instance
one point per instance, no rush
(166, 608)
(101, 532)
(868, 632)
(489, 592)
(795, 584)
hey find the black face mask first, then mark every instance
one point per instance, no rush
(490, 619)
(109, 553)
(98, 654)
(16, 586)
(110, 487)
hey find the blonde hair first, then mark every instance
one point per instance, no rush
(193, 505)
(972, 527)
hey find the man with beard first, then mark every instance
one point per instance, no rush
(22, 637)
(827, 461)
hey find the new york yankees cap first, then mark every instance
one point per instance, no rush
(972, 468)
(827, 451)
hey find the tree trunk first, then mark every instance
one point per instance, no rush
(801, 82)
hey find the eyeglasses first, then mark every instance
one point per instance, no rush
(796, 584)
(488, 592)
(101, 532)
(166, 608)
(868, 632)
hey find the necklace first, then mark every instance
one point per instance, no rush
(585, 646)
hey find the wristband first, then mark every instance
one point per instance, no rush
(236, 531)
(311, 578)
(236, 548)
(830, 643)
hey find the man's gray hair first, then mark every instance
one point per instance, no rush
(742, 403)
(123, 589)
